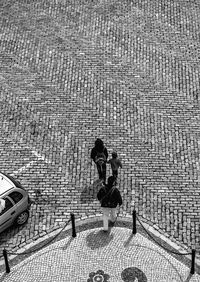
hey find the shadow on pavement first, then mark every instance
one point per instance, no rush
(67, 244)
(129, 243)
(98, 239)
(90, 192)
(155, 253)
(188, 278)
(126, 244)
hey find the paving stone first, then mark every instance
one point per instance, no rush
(115, 256)
(127, 72)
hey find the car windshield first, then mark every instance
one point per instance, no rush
(17, 184)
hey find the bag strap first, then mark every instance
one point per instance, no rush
(110, 191)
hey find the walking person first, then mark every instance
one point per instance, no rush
(99, 155)
(115, 164)
(110, 197)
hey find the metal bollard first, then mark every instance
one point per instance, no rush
(73, 225)
(134, 222)
(6, 260)
(193, 262)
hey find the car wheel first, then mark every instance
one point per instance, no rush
(22, 218)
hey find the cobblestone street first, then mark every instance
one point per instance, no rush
(124, 71)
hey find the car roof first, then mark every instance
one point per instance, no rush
(5, 184)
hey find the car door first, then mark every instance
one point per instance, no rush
(20, 200)
(7, 215)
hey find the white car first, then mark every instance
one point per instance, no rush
(15, 202)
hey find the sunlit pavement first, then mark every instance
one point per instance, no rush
(97, 256)
(127, 72)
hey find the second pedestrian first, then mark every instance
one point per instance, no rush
(115, 164)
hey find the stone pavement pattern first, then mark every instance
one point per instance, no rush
(95, 256)
(125, 71)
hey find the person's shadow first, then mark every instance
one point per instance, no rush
(89, 193)
(98, 239)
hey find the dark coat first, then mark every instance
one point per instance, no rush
(96, 150)
(108, 197)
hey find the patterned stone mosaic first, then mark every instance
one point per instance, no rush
(123, 258)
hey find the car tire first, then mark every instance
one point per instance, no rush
(22, 218)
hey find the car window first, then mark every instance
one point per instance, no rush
(8, 205)
(16, 196)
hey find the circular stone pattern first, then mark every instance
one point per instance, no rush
(99, 276)
(124, 257)
(131, 273)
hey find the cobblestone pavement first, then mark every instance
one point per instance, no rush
(116, 256)
(125, 71)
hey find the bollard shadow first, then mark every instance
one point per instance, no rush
(98, 239)
(89, 193)
(188, 278)
(126, 244)
(162, 256)
(67, 244)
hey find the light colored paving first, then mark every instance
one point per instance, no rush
(118, 254)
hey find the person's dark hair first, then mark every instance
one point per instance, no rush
(111, 180)
(99, 146)
(114, 155)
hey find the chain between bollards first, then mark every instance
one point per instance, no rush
(134, 222)
(134, 231)
(6, 261)
(73, 225)
(192, 270)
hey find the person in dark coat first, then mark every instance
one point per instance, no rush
(110, 197)
(99, 155)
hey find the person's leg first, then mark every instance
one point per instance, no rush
(104, 171)
(99, 169)
(113, 214)
(115, 174)
(105, 218)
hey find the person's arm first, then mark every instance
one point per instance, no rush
(119, 198)
(120, 164)
(106, 153)
(99, 195)
(93, 154)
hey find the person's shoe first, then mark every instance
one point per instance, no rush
(105, 231)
